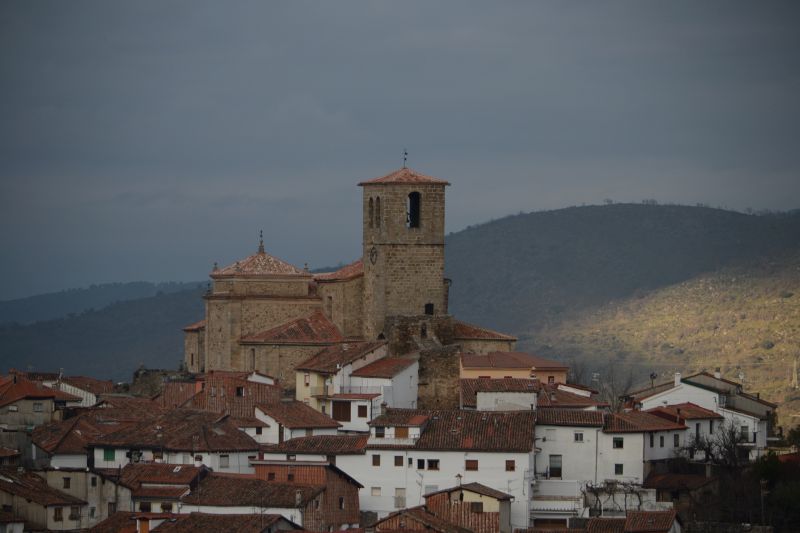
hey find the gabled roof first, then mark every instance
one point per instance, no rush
(405, 175)
(551, 395)
(212, 523)
(683, 411)
(313, 329)
(464, 430)
(330, 359)
(238, 490)
(470, 387)
(175, 394)
(322, 445)
(346, 273)
(297, 415)
(196, 326)
(89, 384)
(72, 436)
(569, 417)
(238, 397)
(431, 522)
(477, 488)
(465, 331)
(33, 488)
(638, 422)
(510, 360)
(257, 265)
(182, 430)
(16, 387)
(136, 474)
(119, 522)
(129, 403)
(388, 367)
(606, 525)
(649, 521)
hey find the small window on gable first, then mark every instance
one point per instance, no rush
(413, 214)
(476, 507)
(428, 309)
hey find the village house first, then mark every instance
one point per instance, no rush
(10, 523)
(289, 418)
(415, 519)
(27, 496)
(497, 365)
(129, 522)
(515, 394)
(474, 506)
(25, 404)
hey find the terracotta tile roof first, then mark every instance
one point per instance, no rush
(8, 452)
(464, 331)
(196, 326)
(296, 415)
(236, 397)
(430, 522)
(477, 488)
(758, 399)
(331, 358)
(219, 523)
(470, 387)
(641, 394)
(33, 488)
(606, 525)
(182, 430)
(404, 175)
(388, 367)
(258, 264)
(119, 522)
(551, 395)
(637, 422)
(322, 445)
(250, 422)
(128, 403)
(161, 493)
(348, 272)
(236, 491)
(683, 411)
(134, 475)
(569, 417)
(465, 430)
(313, 329)
(72, 436)
(509, 360)
(95, 386)
(649, 521)
(15, 388)
(671, 481)
(175, 394)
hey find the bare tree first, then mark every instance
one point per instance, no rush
(722, 448)
(613, 382)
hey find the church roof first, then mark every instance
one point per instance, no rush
(405, 175)
(313, 329)
(258, 264)
(347, 272)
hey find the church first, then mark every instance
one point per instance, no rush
(263, 314)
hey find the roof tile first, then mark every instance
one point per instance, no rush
(405, 175)
(388, 367)
(313, 329)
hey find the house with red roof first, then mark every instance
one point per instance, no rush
(25, 404)
(39, 505)
(498, 365)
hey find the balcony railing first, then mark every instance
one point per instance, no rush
(330, 390)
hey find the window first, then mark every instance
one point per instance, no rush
(551, 379)
(471, 465)
(433, 464)
(67, 482)
(112, 508)
(413, 215)
(376, 460)
(420, 464)
(423, 329)
(58, 514)
(224, 461)
(550, 435)
(618, 443)
(579, 436)
(74, 512)
(399, 498)
(697, 430)
(341, 411)
(145, 507)
(92, 511)
(259, 430)
(661, 441)
(555, 466)
(401, 433)
(192, 359)
(291, 457)
(108, 454)
(94, 481)
(476, 507)
(362, 411)
(290, 476)
(618, 469)
(375, 491)
(652, 440)
(378, 212)
(398, 460)
(380, 432)
(240, 391)
(306, 379)
(38, 407)
(410, 462)
(676, 440)
(13, 408)
(271, 476)
(510, 465)
(428, 309)
(711, 426)
(371, 212)
(341, 502)
(166, 507)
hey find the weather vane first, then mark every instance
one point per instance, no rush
(405, 157)
(261, 240)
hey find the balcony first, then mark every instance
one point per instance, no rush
(556, 497)
(330, 390)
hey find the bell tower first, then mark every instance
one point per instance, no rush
(403, 248)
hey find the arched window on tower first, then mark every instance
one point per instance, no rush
(413, 213)
(371, 211)
(378, 212)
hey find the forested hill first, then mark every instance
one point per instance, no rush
(76, 301)
(527, 270)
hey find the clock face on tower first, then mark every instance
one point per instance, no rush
(373, 255)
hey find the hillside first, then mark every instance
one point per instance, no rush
(74, 301)
(744, 319)
(529, 270)
(109, 343)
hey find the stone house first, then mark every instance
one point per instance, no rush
(27, 496)
(25, 404)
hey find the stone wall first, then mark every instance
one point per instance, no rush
(278, 360)
(194, 353)
(342, 302)
(438, 378)
(486, 346)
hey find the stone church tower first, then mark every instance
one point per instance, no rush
(403, 249)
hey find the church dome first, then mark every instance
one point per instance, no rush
(258, 264)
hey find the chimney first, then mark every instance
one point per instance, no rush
(717, 373)
(677, 378)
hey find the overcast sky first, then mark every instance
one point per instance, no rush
(146, 140)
